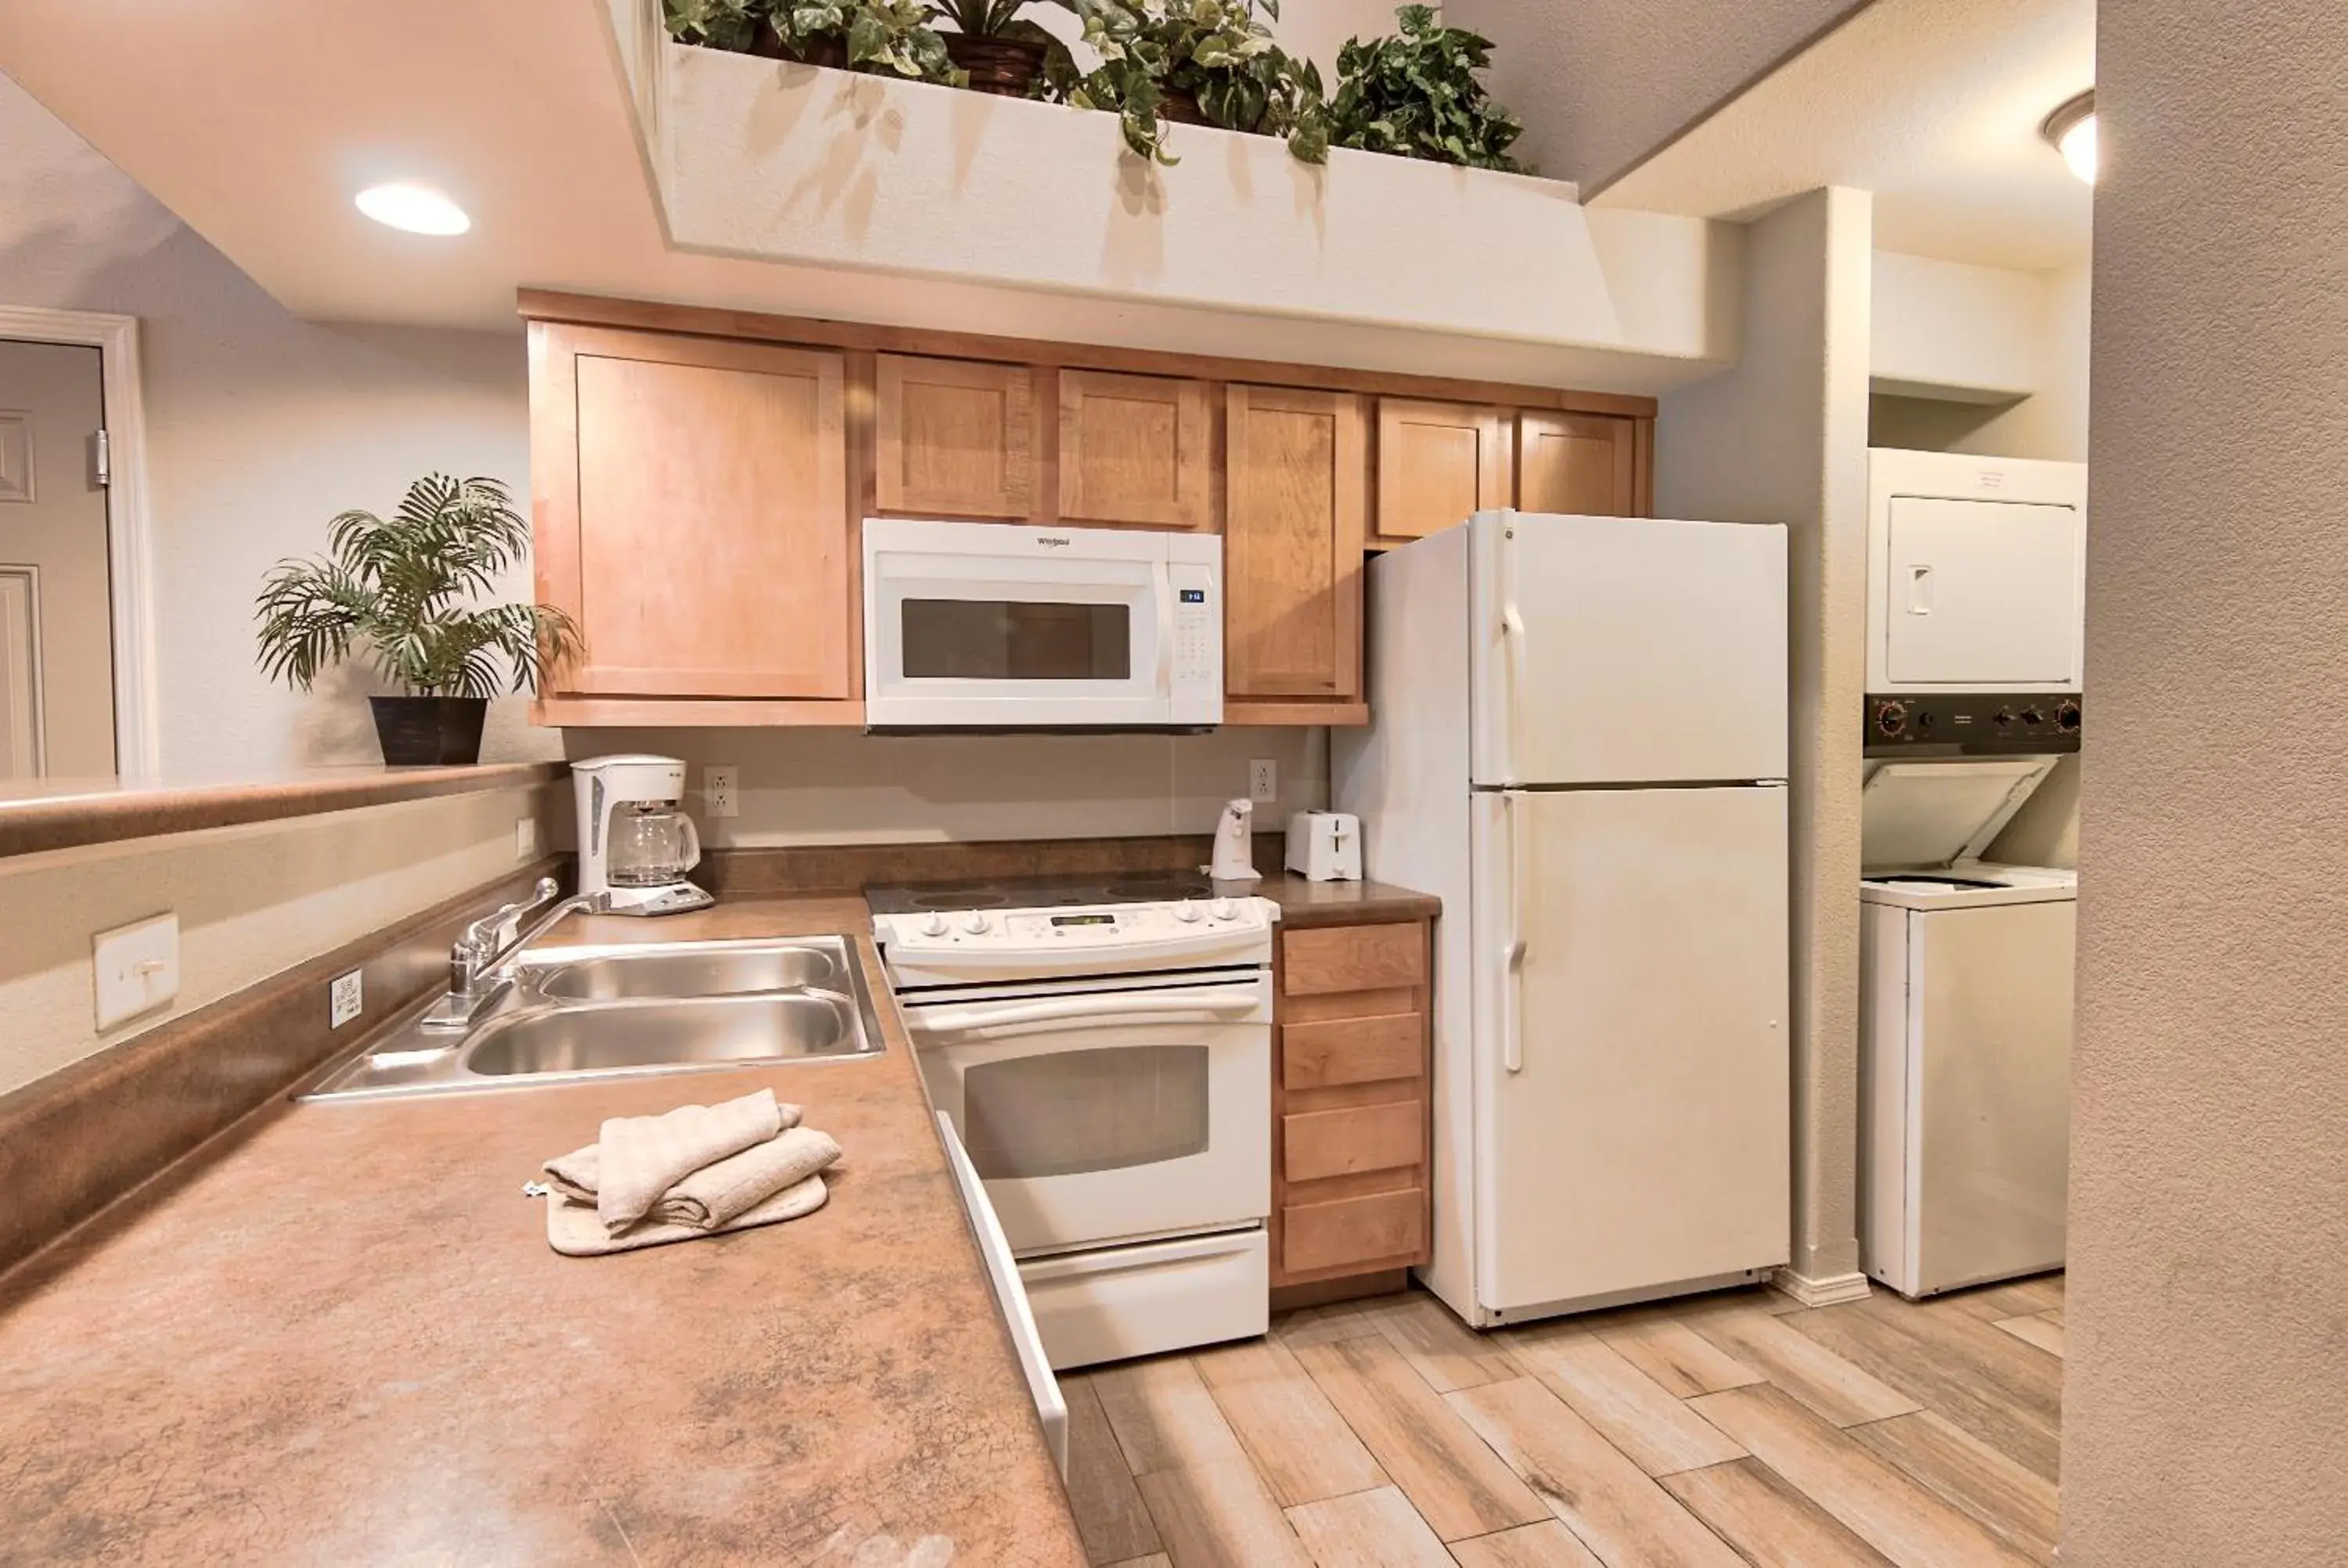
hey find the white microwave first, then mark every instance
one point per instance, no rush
(994, 626)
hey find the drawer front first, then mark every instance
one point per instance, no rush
(1352, 958)
(1352, 1050)
(1364, 1230)
(1320, 1143)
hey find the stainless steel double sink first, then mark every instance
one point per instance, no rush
(570, 1013)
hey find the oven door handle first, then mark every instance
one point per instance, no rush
(1021, 1018)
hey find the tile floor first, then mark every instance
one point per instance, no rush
(1710, 1432)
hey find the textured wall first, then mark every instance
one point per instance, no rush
(1783, 437)
(2208, 1298)
(1602, 83)
(260, 428)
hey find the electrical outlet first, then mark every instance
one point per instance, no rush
(137, 969)
(1263, 781)
(525, 837)
(721, 789)
(344, 1000)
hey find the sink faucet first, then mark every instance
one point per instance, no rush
(481, 957)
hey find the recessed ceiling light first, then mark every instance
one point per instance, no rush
(2072, 129)
(418, 208)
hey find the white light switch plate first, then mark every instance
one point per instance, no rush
(721, 789)
(344, 1000)
(137, 969)
(1263, 781)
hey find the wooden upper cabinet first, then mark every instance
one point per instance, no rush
(1439, 462)
(953, 438)
(691, 502)
(1297, 475)
(1579, 463)
(1137, 449)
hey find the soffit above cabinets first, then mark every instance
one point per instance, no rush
(596, 158)
(1935, 106)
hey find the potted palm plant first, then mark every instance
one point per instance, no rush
(406, 588)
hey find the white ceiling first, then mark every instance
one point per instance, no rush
(256, 129)
(1933, 105)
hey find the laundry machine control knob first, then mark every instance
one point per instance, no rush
(2002, 718)
(2033, 717)
(2066, 718)
(1892, 718)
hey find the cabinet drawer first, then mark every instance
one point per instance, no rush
(1352, 958)
(1357, 1138)
(1352, 1050)
(1384, 1227)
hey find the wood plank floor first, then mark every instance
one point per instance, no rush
(1716, 1431)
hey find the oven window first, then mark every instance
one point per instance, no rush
(1073, 1111)
(1016, 639)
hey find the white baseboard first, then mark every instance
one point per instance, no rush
(1829, 1291)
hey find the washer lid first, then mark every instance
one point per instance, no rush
(1920, 815)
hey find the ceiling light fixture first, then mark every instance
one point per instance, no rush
(2072, 130)
(418, 209)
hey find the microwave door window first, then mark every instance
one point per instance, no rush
(1015, 639)
(1072, 1112)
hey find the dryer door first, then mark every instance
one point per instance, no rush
(1984, 594)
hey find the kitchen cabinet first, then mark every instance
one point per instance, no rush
(1439, 462)
(1352, 1090)
(1297, 478)
(953, 438)
(691, 512)
(1580, 462)
(1137, 449)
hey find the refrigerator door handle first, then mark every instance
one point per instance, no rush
(1512, 955)
(1512, 636)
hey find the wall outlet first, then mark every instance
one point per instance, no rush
(137, 969)
(1263, 781)
(344, 1000)
(525, 838)
(721, 789)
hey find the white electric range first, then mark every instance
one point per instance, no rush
(1100, 1049)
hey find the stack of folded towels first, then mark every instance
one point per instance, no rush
(695, 1171)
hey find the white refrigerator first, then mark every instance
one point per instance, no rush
(1579, 742)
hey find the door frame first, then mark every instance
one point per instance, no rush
(128, 571)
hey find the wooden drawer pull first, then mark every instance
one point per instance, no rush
(1352, 958)
(1359, 1138)
(1387, 1228)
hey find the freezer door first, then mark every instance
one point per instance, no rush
(1982, 593)
(1629, 1039)
(1627, 650)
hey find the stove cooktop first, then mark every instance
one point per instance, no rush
(1039, 892)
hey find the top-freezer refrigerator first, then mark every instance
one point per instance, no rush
(1579, 742)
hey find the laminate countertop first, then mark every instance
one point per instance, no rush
(1304, 904)
(337, 1334)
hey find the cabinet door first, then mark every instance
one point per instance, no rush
(1136, 449)
(953, 438)
(1585, 464)
(1297, 483)
(692, 513)
(1439, 462)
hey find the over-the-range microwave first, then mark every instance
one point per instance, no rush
(1000, 626)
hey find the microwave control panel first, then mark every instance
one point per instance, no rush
(1198, 635)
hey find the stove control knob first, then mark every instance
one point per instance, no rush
(933, 925)
(1224, 909)
(974, 922)
(1187, 912)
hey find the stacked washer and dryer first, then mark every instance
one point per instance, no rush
(1975, 641)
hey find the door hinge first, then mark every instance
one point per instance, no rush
(101, 460)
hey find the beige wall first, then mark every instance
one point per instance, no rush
(1783, 437)
(2208, 1288)
(260, 427)
(251, 901)
(1602, 83)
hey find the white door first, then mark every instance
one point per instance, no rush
(1982, 593)
(1627, 650)
(1630, 1062)
(60, 684)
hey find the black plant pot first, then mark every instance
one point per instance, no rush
(427, 732)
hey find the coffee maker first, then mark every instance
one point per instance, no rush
(635, 843)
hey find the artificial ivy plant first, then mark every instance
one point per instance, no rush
(1217, 53)
(879, 35)
(1416, 95)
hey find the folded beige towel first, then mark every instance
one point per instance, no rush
(580, 1173)
(638, 1158)
(739, 1183)
(573, 1230)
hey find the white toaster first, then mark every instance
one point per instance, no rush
(1326, 845)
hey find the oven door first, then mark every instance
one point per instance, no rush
(1109, 1114)
(969, 624)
